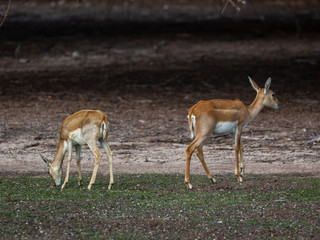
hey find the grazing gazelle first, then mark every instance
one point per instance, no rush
(83, 127)
(224, 116)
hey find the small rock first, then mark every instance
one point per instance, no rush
(24, 60)
(75, 54)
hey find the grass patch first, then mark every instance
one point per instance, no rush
(150, 206)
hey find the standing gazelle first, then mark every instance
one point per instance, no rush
(83, 127)
(224, 116)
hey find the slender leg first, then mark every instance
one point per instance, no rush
(78, 158)
(242, 167)
(68, 164)
(199, 152)
(198, 141)
(109, 153)
(203, 129)
(97, 157)
(189, 151)
(237, 149)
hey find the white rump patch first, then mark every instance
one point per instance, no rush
(193, 117)
(225, 127)
(103, 128)
(191, 127)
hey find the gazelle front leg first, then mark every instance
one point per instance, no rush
(242, 167)
(68, 164)
(97, 157)
(237, 150)
(78, 158)
(109, 153)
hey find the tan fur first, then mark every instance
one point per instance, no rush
(83, 127)
(225, 116)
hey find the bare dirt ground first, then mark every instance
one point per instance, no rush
(56, 59)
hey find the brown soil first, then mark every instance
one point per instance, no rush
(145, 74)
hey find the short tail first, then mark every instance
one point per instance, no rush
(192, 122)
(104, 129)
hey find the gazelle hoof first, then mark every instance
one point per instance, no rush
(213, 180)
(189, 185)
(240, 179)
(110, 186)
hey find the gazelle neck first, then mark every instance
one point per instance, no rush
(61, 150)
(256, 106)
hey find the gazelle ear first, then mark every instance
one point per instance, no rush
(46, 160)
(253, 84)
(267, 85)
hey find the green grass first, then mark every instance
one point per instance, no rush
(154, 206)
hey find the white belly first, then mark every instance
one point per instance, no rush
(77, 137)
(225, 127)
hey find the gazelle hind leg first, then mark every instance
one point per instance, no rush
(97, 157)
(78, 158)
(198, 141)
(202, 134)
(109, 153)
(199, 152)
(189, 151)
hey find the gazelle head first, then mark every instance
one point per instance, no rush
(55, 173)
(268, 96)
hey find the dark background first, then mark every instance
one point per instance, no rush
(37, 28)
(144, 64)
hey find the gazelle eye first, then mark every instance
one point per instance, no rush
(273, 95)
